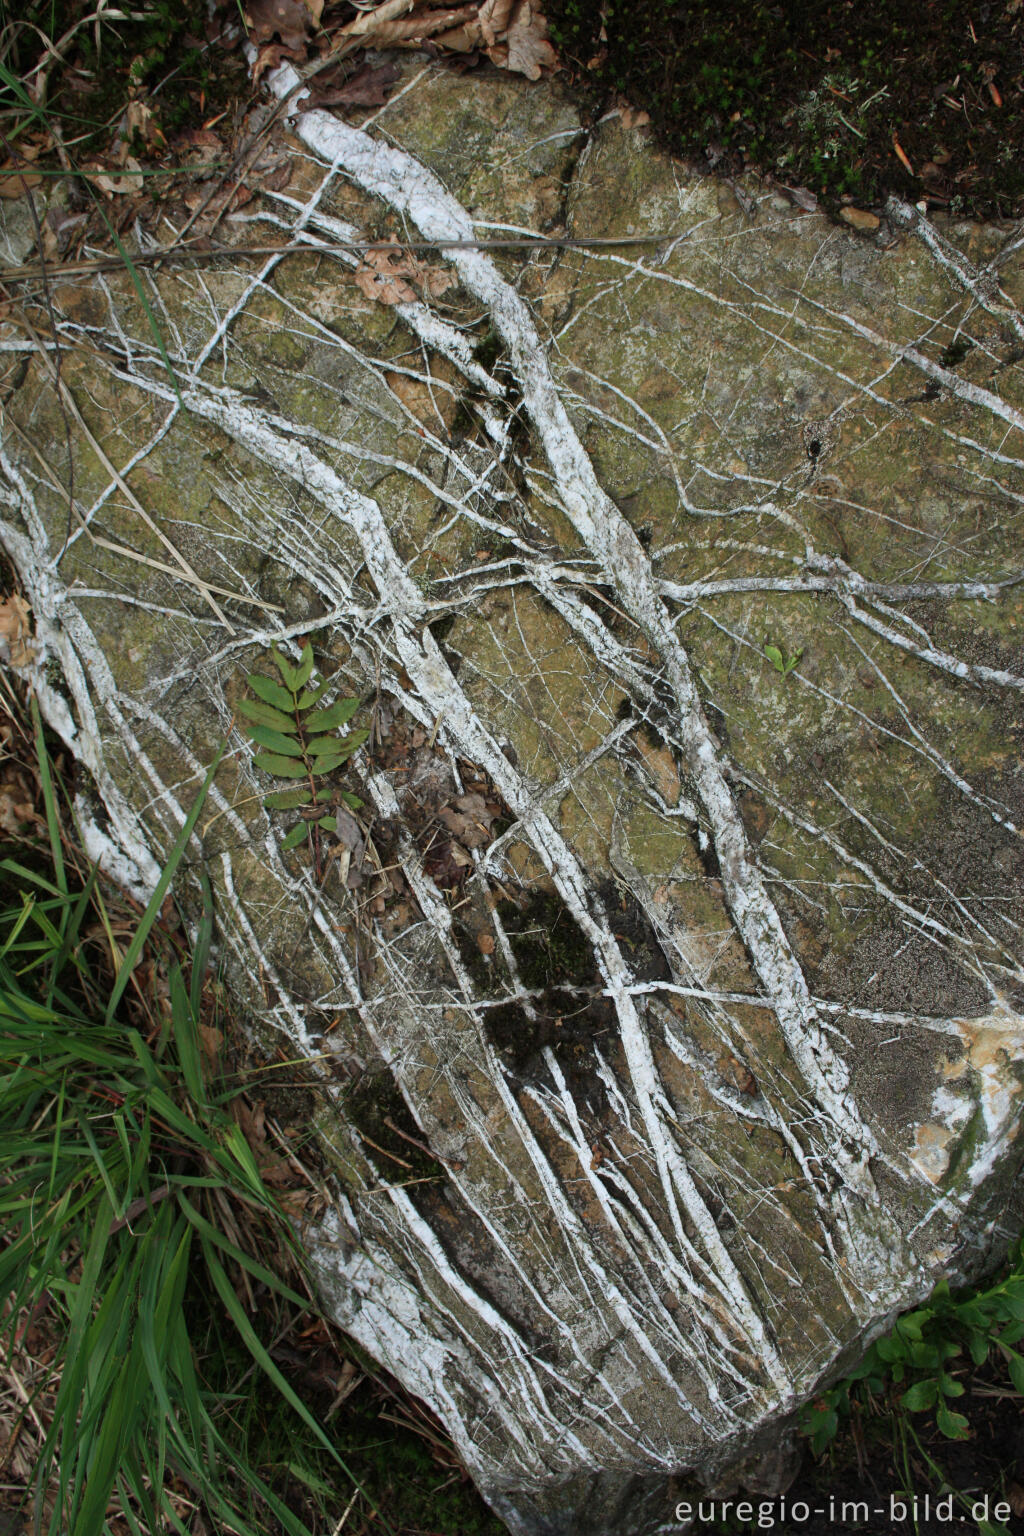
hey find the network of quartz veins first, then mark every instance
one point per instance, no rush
(706, 1039)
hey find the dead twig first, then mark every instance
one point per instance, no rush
(183, 251)
(58, 355)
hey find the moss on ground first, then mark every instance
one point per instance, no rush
(819, 93)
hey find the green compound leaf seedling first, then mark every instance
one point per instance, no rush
(297, 741)
(782, 663)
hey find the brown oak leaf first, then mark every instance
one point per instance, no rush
(387, 276)
(130, 181)
(269, 57)
(15, 630)
(492, 20)
(289, 20)
(368, 87)
(469, 819)
(386, 287)
(529, 52)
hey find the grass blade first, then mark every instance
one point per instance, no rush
(201, 948)
(156, 900)
(143, 300)
(263, 1359)
(49, 799)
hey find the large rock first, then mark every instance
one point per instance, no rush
(658, 1075)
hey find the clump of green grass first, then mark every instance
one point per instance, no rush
(117, 1163)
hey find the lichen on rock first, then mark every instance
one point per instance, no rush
(667, 1041)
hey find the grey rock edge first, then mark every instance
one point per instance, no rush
(787, 1098)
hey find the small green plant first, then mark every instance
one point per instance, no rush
(916, 1356)
(780, 660)
(299, 741)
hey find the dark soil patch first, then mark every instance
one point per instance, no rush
(874, 1464)
(568, 1012)
(166, 53)
(390, 1134)
(826, 94)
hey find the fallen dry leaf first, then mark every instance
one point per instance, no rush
(15, 630)
(484, 29)
(58, 228)
(349, 1378)
(386, 276)
(232, 197)
(901, 155)
(369, 21)
(139, 119)
(804, 198)
(385, 287)
(289, 20)
(276, 179)
(529, 52)
(252, 1119)
(446, 863)
(368, 87)
(16, 813)
(269, 57)
(15, 181)
(469, 819)
(512, 32)
(200, 148)
(347, 852)
(492, 19)
(276, 1170)
(131, 179)
(348, 830)
(437, 280)
(420, 28)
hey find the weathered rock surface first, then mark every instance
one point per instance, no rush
(708, 1007)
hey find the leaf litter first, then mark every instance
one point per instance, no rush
(388, 277)
(511, 34)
